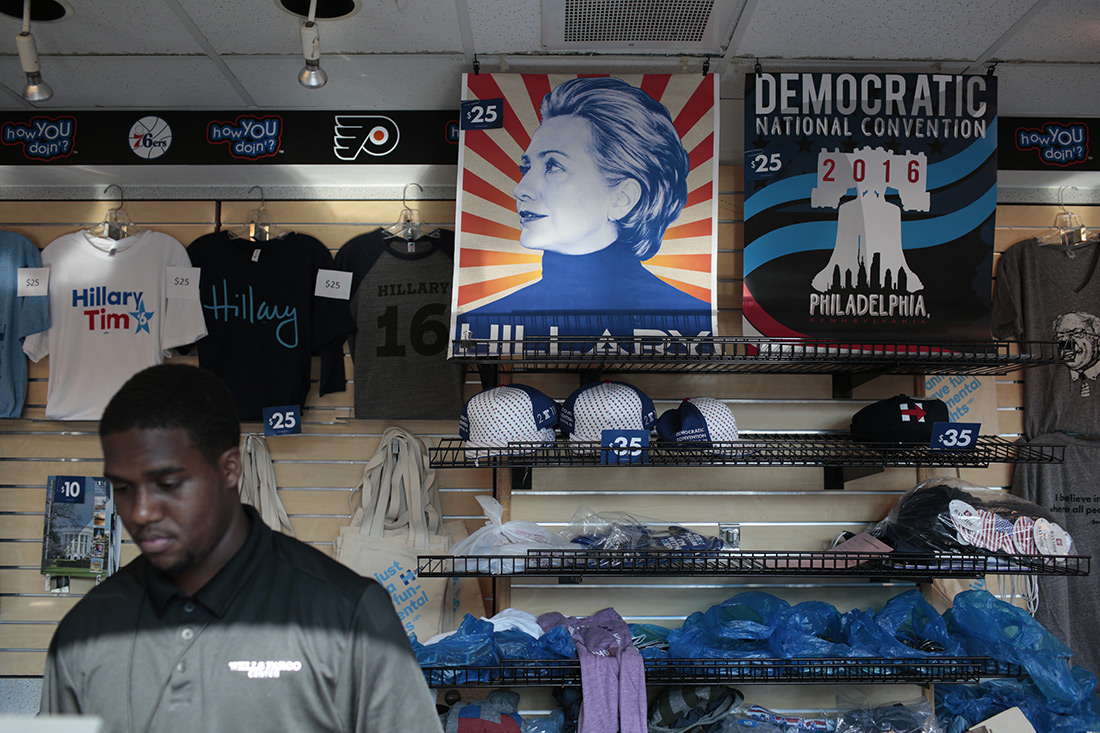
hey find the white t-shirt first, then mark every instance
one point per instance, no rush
(110, 317)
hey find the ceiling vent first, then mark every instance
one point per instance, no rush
(653, 26)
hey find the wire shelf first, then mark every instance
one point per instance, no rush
(754, 355)
(559, 563)
(559, 672)
(769, 450)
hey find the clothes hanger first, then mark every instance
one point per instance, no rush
(1068, 231)
(259, 227)
(116, 222)
(409, 226)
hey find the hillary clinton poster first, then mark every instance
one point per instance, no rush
(869, 205)
(586, 208)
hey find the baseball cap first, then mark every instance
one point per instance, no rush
(498, 416)
(900, 419)
(606, 406)
(698, 419)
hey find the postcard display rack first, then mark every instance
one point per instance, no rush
(849, 364)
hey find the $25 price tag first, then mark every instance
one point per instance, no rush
(33, 281)
(284, 420)
(955, 435)
(182, 283)
(624, 446)
(482, 114)
(333, 284)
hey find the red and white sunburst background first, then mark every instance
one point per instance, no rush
(491, 263)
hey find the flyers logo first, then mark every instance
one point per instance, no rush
(371, 134)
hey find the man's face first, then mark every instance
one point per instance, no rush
(175, 504)
(1084, 348)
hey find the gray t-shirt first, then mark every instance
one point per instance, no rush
(1045, 294)
(1069, 490)
(401, 296)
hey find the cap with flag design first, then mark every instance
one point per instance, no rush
(511, 414)
(606, 406)
(900, 419)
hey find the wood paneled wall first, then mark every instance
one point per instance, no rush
(778, 508)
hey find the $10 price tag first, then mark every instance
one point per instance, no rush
(32, 281)
(624, 446)
(334, 284)
(68, 489)
(285, 420)
(955, 435)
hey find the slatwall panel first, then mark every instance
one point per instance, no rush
(778, 508)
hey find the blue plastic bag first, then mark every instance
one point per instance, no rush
(809, 629)
(989, 627)
(960, 707)
(470, 646)
(738, 627)
(907, 626)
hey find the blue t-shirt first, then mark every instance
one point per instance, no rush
(20, 316)
(606, 293)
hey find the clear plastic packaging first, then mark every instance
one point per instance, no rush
(952, 515)
(498, 537)
(623, 531)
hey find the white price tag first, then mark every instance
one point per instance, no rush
(333, 284)
(183, 283)
(33, 281)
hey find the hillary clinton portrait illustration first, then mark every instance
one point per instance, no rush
(595, 242)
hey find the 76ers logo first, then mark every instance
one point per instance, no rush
(150, 137)
(371, 134)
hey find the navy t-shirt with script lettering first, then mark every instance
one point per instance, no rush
(263, 320)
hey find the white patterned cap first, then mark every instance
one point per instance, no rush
(606, 406)
(699, 419)
(502, 415)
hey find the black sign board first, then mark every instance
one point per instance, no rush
(1047, 143)
(230, 137)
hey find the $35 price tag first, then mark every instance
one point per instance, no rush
(955, 435)
(333, 284)
(624, 446)
(33, 281)
(284, 420)
(182, 283)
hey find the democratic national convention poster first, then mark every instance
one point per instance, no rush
(869, 205)
(586, 207)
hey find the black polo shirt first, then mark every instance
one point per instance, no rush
(283, 638)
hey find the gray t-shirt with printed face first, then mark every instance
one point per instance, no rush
(1047, 293)
(1069, 490)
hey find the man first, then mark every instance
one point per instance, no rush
(221, 624)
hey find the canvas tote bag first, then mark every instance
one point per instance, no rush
(400, 518)
(257, 485)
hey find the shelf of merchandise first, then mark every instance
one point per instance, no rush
(851, 362)
(895, 565)
(855, 670)
(785, 449)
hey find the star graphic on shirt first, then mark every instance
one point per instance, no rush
(143, 317)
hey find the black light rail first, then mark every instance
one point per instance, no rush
(864, 670)
(717, 354)
(770, 450)
(566, 563)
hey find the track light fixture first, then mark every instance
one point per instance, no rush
(36, 90)
(312, 76)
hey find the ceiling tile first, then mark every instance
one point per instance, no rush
(251, 27)
(1064, 30)
(871, 29)
(128, 81)
(355, 82)
(506, 26)
(117, 27)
